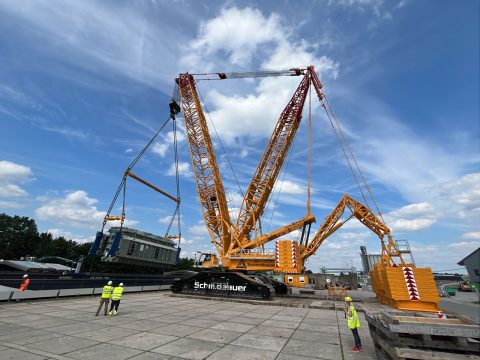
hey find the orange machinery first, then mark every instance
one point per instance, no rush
(240, 244)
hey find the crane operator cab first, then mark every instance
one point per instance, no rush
(206, 260)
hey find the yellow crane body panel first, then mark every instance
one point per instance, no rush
(249, 261)
(296, 280)
(405, 287)
(287, 257)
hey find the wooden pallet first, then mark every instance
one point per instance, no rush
(403, 335)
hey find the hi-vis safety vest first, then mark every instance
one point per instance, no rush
(353, 321)
(107, 292)
(117, 293)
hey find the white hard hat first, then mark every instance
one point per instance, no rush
(109, 283)
(25, 275)
(121, 284)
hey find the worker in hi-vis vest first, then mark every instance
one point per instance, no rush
(116, 297)
(353, 323)
(25, 283)
(106, 295)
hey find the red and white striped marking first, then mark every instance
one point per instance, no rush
(277, 254)
(411, 284)
(294, 254)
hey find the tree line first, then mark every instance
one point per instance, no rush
(19, 237)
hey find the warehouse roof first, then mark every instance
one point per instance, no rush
(476, 252)
(25, 265)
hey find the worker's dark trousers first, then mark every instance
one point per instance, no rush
(103, 301)
(358, 343)
(115, 304)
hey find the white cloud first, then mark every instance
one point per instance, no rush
(11, 171)
(471, 235)
(377, 7)
(199, 230)
(183, 169)
(166, 220)
(420, 209)
(403, 225)
(412, 217)
(11, 190)
(11, 175)
(75, 209)
(289, 187)
(10, 205)
(93, 35)
(160, 149)
(266, 41)
(70, 236)
(129, 150)
(465, 194)
(465, 245)
(238, 33)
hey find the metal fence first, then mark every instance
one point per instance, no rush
(16, 295)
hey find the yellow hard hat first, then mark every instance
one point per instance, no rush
(348, 298)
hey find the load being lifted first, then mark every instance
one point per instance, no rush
(240, 244)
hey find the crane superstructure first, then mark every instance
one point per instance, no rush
(233, 240)
(239, 244)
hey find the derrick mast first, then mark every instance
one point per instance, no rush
(227, 237)
(235, 242)
(271, 162)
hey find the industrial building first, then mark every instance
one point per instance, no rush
(472, 263)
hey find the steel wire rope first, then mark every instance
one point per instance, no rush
(309, 147)
(344, 152)
(281, 184)
(220, 141)
(176, 98)
(132, 164)
(177, 180)
(355, 160)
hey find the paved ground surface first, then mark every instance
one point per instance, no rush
(463, 303)
(157, 326)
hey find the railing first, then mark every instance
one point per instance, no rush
(42, 281)
(16, 295)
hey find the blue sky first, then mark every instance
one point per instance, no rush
(85, 84)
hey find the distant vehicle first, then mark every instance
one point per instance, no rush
(442, 291)
(465, 286)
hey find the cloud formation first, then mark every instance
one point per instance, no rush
(266, 40)
(93, 35)
(75, 209)
(12, 176)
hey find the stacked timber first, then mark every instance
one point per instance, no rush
(411, 335)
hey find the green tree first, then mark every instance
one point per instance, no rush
(18, 236)
(185, 264)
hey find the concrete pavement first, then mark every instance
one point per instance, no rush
(463, 303)
(156, 326)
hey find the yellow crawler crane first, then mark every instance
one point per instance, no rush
(239, 244)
